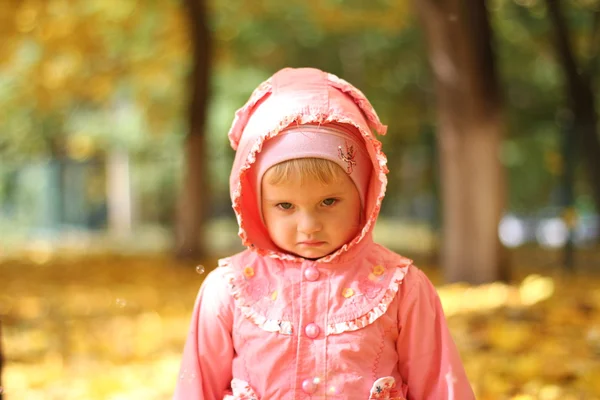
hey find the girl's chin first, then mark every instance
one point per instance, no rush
(314, 253)
(310, 252)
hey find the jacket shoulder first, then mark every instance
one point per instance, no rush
(243, 258)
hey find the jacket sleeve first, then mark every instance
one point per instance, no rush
(205, 372)
(429, 362)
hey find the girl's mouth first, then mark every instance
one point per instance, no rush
(312, 243)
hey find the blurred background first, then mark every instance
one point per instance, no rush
(114, 165)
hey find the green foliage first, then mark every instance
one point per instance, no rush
(533, 84)
(120, 70)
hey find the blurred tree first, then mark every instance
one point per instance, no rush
(83, 71)
(80, 80)
(89, 78)
(579, 86)
(470, 130)
(194, 197)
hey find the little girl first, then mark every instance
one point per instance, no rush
(314, 309)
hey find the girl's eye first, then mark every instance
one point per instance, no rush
(329, 202)
(284, 206)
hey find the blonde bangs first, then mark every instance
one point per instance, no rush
(322, 170)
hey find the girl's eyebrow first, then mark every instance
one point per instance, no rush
(276, 200)
(335, 194)
(290, 200)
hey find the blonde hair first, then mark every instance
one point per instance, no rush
(324, 171)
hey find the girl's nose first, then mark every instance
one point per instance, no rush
(308, 224)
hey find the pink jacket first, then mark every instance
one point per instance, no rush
(361, 323)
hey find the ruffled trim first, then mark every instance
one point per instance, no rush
(376, 312)
(243, 114)
(237, 292)
(361, 100)
(302, 118)
(237, 288)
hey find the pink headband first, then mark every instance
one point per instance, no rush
(331, 142)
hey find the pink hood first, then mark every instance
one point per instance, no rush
(300, 96)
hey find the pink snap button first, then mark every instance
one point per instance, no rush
(309, 386)
(311, 274)
(312, 330)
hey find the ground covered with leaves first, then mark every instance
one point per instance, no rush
(108, 327)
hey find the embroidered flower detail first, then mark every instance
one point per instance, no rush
(378, 273)
(348, 292)
(369, 288)
(385, 389)
(248, 272)
(378, 270)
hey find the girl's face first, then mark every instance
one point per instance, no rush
(308, 218)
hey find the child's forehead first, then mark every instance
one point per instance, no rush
(301, 185)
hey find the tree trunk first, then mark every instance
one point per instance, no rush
(193, 196)
(469, 134)
(582, 101)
